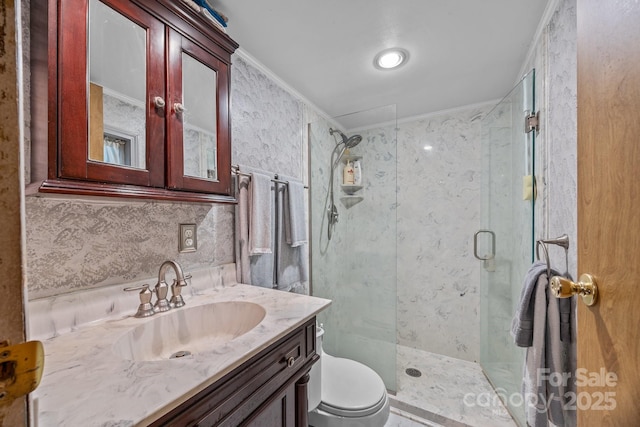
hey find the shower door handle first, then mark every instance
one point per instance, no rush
(493, 245)
(487, 260)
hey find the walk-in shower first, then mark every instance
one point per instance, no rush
(345, 143)
(406, 289)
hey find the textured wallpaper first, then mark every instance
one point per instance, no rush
(266, 122)
(77, 244)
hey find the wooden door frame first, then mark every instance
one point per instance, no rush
(12, 323)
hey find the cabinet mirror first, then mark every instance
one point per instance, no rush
(198, 111)
(117, 88)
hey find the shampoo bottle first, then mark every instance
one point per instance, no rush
(347, 176)
(357, 173)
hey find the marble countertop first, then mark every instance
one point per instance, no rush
(86, 384)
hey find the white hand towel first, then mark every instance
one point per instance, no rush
(243, 270)
(295, 225)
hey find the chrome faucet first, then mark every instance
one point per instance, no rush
(176, 287)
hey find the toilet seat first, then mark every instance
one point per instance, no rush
(350, 389)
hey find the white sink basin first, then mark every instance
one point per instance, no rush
(189, 330)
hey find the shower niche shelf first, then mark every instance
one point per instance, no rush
(350, 198)
(349, 201)
(350, 189)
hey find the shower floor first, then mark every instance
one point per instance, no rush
(450, 393)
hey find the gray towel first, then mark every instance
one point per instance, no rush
(547, 361)
(522, 323)
(260, 217)
(543, 324)
(292, 269)
(254, 269)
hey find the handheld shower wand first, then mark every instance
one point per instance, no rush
(346, 143)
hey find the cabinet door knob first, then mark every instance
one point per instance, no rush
(159, 102)
(179, 108)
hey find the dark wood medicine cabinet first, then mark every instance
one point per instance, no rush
(129, 98)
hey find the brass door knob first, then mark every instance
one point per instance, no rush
(587, 288)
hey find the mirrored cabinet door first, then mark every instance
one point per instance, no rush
(111, 122)
(117, 88)
(198, 119)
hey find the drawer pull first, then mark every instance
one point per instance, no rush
(290, 361)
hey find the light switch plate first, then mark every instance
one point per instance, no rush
(188, 238)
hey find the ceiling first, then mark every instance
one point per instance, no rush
(462, 52)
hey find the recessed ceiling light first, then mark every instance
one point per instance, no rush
(391, 58)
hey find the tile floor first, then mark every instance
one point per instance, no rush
(450, 393)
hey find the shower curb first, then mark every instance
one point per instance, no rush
(427, 416)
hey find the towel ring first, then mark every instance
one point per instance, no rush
(546, 255)
(562, 241)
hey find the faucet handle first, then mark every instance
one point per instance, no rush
(183, 283)
(176, 291)
(161, 290)
(145, 309)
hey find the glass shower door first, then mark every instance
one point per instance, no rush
(356, 267)
(506, 238)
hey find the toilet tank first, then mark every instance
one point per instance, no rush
(315, 382)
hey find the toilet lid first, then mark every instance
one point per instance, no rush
(350, 388)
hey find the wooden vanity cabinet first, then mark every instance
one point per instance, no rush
(270, 389)
(76, 115)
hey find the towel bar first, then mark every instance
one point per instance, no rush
(236, 169)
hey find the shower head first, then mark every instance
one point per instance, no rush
(350, 142)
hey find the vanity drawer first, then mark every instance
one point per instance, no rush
(249, 390)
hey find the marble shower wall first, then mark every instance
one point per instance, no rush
(75, 243)
(562, 135)
(555, 61)
(439, 164)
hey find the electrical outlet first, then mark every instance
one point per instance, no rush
(188, 238)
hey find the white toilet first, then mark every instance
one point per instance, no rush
(345, 393)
